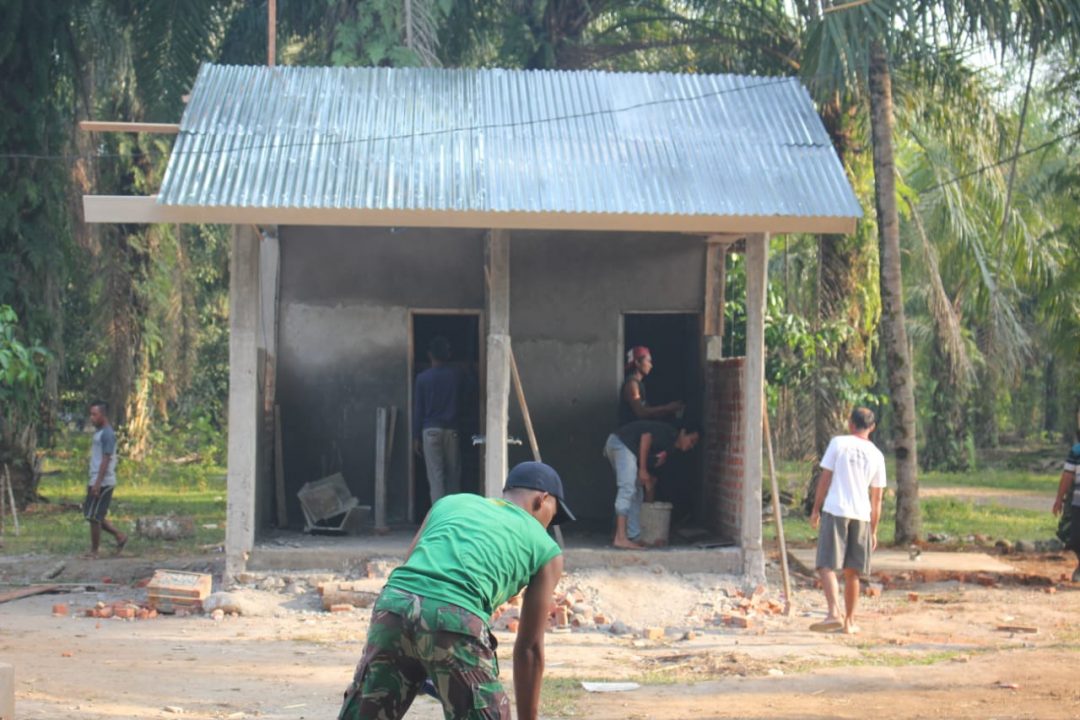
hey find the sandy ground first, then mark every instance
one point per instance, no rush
(938, 656)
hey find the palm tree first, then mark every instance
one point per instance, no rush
(856, 43)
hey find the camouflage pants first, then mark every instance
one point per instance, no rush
(414, 638)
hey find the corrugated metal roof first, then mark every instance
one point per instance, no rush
(504, 140)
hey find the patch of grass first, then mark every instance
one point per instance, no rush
(153, 486)
(996, 478)
(559, 697)
(942, 515)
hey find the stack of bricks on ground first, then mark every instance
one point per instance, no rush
(569, 611)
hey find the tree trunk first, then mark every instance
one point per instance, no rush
(1050, 397)
(894, 333)
(836, 283)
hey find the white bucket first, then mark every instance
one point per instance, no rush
(655, 523)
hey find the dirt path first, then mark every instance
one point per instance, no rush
(939, 656)
(1015, 499)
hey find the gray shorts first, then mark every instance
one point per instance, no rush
(96, 508)
(843, 543)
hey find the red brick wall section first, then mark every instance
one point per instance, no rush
(723, 486)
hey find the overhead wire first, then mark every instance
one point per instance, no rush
(772, 81)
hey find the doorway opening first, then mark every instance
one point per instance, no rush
(462, 329)
(674, 340)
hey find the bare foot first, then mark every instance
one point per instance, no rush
(829, 624)
(627, 544)
(850, 628)
(120, 543)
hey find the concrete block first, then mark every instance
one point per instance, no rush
(7, 692)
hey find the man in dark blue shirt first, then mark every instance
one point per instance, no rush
(436, 403)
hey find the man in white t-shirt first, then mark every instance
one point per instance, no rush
(847, 509)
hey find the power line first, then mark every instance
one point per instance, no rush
(523, 123)
(424, 133)
(990, 166)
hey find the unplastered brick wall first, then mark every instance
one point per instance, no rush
(724, 441)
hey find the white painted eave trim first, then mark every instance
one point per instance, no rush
(146, 210)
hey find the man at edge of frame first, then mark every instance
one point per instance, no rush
(431, 619)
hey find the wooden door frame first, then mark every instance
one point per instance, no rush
(410, 368)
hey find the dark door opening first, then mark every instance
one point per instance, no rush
(462, 329)
(674, 340)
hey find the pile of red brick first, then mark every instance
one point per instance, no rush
(122, 609)
(568, 610)
(746, 608)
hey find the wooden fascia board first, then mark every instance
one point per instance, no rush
(100, 126)
(125, 209)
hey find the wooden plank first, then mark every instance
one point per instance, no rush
(380, 470)
(715, 278)
(134, 210)
(409, 409)
(497, 257)
(520, 392)
(101, 126)
(279, 473)
(777, 515)
(390, 432)
(27, 592)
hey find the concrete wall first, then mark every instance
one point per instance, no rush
(567, 296)
(343, 343)
(343, 340)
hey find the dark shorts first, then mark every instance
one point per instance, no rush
(96, 508)
(1074, 530)
(413, 638)
(843, 543)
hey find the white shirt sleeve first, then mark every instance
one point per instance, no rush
(878, 480)
(828, 460)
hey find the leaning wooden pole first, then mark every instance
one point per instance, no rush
(520, 392)
(776, 508)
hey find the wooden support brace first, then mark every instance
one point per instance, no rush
(381, 416)
(101, 126)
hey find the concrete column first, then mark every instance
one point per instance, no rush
(7, 692)
(244, 411)
(757, 267)
(497, 260)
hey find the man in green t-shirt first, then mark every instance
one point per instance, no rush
(431, 620)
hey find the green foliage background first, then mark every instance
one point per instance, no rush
(138, 315)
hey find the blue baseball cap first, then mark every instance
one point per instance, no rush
(538, 476)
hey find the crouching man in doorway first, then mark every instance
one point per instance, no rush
(634, 451)
(847, 510)
(431, 620)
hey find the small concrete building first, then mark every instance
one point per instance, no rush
(552, 218)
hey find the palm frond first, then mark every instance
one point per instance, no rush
(171, 38)
(947, 323)
(421, 21)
